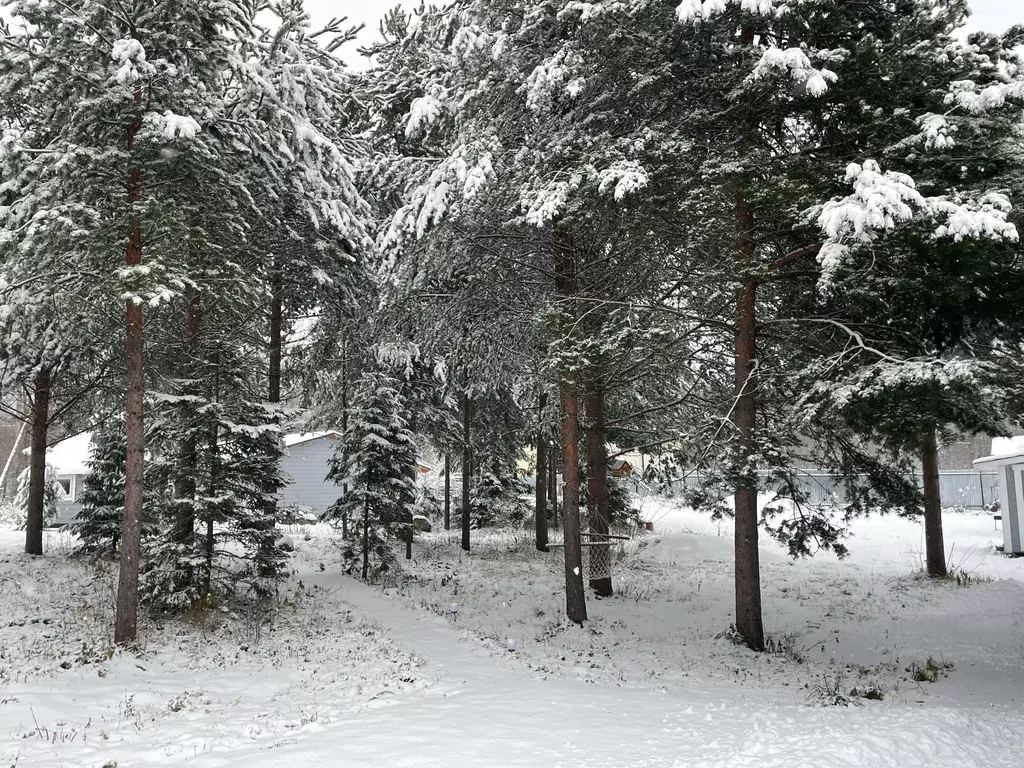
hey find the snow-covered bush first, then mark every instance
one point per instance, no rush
(496, 501)
(52, 491)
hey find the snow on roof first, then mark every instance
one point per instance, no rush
(298, 438)
(1005, 450)
(1004, 446)
(70, 457)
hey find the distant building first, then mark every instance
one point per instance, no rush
(70, 460)
(305, 465)
(620, 468)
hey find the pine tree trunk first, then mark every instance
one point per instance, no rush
(276, 315)
(344, 385)
(408, 544)
(127, 609)
(447, 493)
(540, 509)
(185, 520)
(366, 536)
(597, 488)
(214, 488)
(553, 484)
(575, 597)
(268, 543)
(467, 457)
(564, 256)
(935, 550)
(748, 570)
(37, 464)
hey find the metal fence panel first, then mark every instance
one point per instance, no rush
(967, 488)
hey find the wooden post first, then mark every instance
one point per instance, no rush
(597, 486)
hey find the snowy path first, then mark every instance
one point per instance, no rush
(324, 690)
(487, 711)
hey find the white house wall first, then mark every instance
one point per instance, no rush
(306, 466)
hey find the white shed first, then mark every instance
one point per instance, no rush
(69, 459)
(305, 465)
(1010, 471)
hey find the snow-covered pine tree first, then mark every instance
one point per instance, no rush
(104, 115)
(928, 284)
(377, 456)
(497, 114)
(55, 355)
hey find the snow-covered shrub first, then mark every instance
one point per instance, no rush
(496, 501)
(52, 491)
(428, 505)
(10, 515)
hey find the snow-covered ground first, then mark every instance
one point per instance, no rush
(420, 674)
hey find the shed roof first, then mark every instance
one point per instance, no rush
(1000, 460)
(71, 456)
(299, 438)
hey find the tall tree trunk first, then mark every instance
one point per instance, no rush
(276, 316)
(185, 520)
(268, 543)
(597, 488)
(748, 569)
(447, 493)
(553, 484)
(575, 597)
(344, 385)
(467, 457)
(935, 550)
(564, 256)
(540, 509)
(212, 493)
(37, 464)
(366, 535)
(127, 609)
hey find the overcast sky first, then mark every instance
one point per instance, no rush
(990, 15)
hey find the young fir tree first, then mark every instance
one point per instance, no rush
(102, 497)
(377, 456)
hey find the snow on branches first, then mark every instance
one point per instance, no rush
(558, 74)
(795, 63)
(883, 200)
(694, 10)
(129, 54)
(170, 126)
(977, 100)
(423, 113)
(624, 177)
